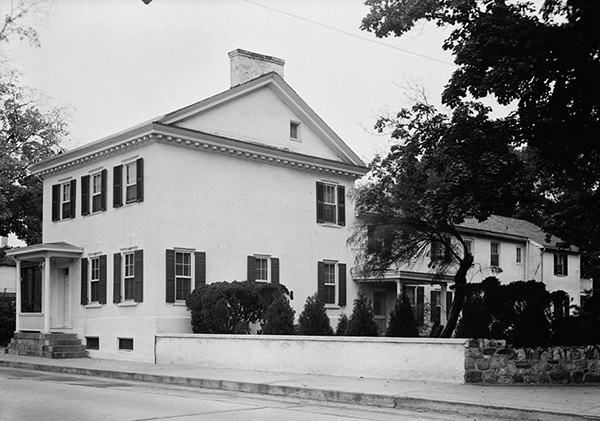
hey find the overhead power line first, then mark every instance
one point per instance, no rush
(348, 33)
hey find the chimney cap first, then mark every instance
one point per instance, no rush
(256, 56)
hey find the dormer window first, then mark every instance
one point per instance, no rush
(295, 130)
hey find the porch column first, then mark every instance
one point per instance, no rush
(46, 295)
(18, 295)
(443, 307)
(398, 288)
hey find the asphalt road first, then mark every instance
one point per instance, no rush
(39, 396)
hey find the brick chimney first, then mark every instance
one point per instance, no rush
(246, 65)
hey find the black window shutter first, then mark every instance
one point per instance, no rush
(321, 281)
(200, 269)
(72, 198)
(139, 182)
(420, 305)
(55, 202)
(251, 272)
(84, 281)
(138, 279)
(341, 191)
(435, 310)
(566, 260)
(320, 203)
(448, 302)
(102, 281)
(85, 195)
(103, 177)
(170, 281)
(118, 186)
(556, 264)
(274, 270)
(342, 286)
(117, 278)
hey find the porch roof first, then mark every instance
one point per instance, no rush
(43, 250)
(404, 275)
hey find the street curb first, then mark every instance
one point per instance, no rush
(323, 395)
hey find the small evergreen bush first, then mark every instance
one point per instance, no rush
(475, 320)
(342, 326)
(402, 319)
(279, 317)
(7, 319)
(314, 320)
(362, 320)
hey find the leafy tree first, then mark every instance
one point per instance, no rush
(362, 319)
(442, 170)
(544, 62)
(29, 132)
(314, 320)
(7, 318)
(402, 319)
(279, 318)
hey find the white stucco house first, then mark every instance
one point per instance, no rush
(248, 184)
(508, 248)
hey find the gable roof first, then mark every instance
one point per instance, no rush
(162, 127)
(514, 227)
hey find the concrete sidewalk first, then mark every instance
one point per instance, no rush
(517, 402)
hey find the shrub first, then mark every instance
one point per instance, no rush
(314, 320)
(7, 319)
(589, 319)
(342, 326)
(402, 319)
(362, 319)
(475, 320)
(230, 307)
(279, 317)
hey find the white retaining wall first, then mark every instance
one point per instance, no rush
(389, 358)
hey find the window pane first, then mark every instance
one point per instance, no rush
(329, 294)
(129, 288)
(182, 288)
(261, 271)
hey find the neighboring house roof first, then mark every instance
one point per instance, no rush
(503, 225)
(164, 128)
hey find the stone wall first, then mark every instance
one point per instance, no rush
(493, 362)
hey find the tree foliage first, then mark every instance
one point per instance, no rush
(279, 317)
(442, 170)
(402, 320)
(544, 62)
(362, 320)
(314, 320)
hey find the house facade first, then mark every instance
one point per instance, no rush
(249, 184)
(509, 249)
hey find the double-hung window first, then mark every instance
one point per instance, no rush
(63, 200)
(93, 192)
(96, 192)
(263, 268)
(561, 264)
(128, 277)
(128, 183)
(331, 204)
(331, 282)
(94, 279)
(183, 275)
(519, 255)
(495, 254)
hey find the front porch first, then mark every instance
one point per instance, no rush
(43, 300)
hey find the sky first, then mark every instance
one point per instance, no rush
(117, 63)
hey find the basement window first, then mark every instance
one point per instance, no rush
(92, 342)
(125, 344)
(295, 130)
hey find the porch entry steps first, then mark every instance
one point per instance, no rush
(47, 345)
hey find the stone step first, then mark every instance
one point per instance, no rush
(44, 336)
(63, 348)
(62, 355)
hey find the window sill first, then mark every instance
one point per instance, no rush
(93, 305)
(330, 225)
(332, 307)
(179, 304)
(128, 304)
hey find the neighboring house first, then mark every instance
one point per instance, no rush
(7, 272)
(508, 248)
(247, 184)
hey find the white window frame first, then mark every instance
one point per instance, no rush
(184, 276)
(561, 260)
(519, 255)
(295, 127)
(130, 180)
(328, 204)
(96, 191)
(260, 260)
(328, 282)
(65, 199)
(128, 274)
(492, 244)
(94, 279)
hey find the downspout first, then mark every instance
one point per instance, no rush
(526, 270)
(542, 264)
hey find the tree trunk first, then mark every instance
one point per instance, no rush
(460, 280)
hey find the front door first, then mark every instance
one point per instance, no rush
(380, 309)
(60, 299)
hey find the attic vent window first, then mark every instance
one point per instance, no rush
(295, 130)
